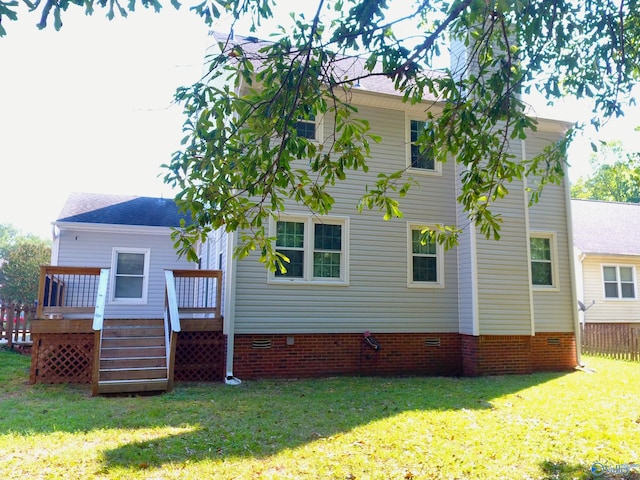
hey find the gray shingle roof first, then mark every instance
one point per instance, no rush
(608, 228)
(341, 68)
(121, 210)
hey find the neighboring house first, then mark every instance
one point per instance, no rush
(607, 248)
(485, 307)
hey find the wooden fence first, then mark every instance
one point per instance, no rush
(615, 340)
(15, 323)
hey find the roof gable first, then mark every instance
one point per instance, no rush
(121, 210)
(608, 228)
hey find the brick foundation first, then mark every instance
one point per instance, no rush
(517, 354)
(449, 354)
(316, 355)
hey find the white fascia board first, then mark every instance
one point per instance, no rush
(113, 228)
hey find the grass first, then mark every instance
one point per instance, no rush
(540, 426)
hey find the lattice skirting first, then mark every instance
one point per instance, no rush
(200, 357)
(62, 358)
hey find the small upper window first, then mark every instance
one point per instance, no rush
(619, 282)
(306, 127)
(421, 156)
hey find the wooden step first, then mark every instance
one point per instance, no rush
(132, 386)
(115, 342)
(133, 362)
(133, 373)
(132, 357)
(145, 331)
(120, 352)
(132, 323)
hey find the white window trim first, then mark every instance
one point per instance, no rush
(309, 221)
(145, 281)
(439, 260)
(437, 171)
(620, 298)
(554, 287)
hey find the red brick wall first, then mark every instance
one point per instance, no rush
(517, 354)
(315, 355)
(553, 352)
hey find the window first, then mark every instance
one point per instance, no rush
(619, 282)
(130, 275)
(419, 157)
(306, 128)
(543, 263)
(315, 247)
(425, 260)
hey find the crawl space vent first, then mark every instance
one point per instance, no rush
(262, 344)
(553, 341)
(432, 342)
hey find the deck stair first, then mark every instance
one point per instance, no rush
(133, 357)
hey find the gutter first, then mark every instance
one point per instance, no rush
(572, 268)
(230, 307)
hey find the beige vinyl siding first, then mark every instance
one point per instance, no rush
(504, 305)
(553, 309)
(466, 272)
(377, 297)
(81, 248)
(608, 310)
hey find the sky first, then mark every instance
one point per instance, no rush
(89, 109)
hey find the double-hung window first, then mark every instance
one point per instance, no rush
(310, 127)
(425, 264)
(316, 248)
(619, 282)
(129, 275)
(543, 260)
(420, 157)
(306, 127)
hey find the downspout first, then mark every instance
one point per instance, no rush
(230, 307)
(527, 227)
(572, 267)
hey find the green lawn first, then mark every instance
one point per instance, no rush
(548, 425)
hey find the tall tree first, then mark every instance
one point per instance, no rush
(236, 165)
(20, 270)
(616, 176)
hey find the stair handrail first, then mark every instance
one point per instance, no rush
(172, 301)
(101, 299)
(98, 321)
(171, 324)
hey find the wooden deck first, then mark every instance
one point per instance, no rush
(73, 342)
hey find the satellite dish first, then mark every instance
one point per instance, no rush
(583, 307)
